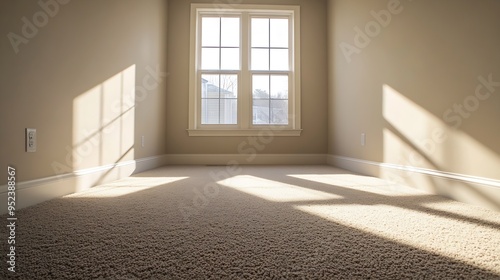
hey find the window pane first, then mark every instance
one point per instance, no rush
(260, 111)
(209, 86)
(260, 86)
(209, 111)
(279, 111)
(279, 59)
(260, 59)
(230, 59)
(260, 32)
(279, 87)
(228, 86)
(210, 58)
(210, 32)
(279, 33)
(228, 111)
(230, 32)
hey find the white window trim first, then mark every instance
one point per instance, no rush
(294, 126)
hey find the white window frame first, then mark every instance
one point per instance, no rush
(245, 126)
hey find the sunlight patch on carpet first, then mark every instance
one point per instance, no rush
(473, 212)
(275, 191)
(361, 183)
(437, 234)
(125, 187)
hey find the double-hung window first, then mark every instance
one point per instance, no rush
(244, 70)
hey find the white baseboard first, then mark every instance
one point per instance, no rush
(480, 191)
(245, 159)
(36, 191)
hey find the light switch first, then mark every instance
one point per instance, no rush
(30, 140)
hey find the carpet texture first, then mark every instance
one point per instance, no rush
(257, 222)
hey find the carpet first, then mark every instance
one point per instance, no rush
(254, 222)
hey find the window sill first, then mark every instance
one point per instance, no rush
(267, 132)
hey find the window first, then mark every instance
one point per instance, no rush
(244, 70)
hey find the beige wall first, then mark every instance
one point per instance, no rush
(399, 87)
(314, 86)
(74, 81)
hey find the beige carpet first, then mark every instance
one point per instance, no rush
(258, 222)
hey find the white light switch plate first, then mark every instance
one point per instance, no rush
(30, 140)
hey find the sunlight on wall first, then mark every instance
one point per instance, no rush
(273, 190)
(400, 152)
(418, 138)
(416, 127)
(103, 122)
(361, 183)
(405, 226)
(125, 187)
